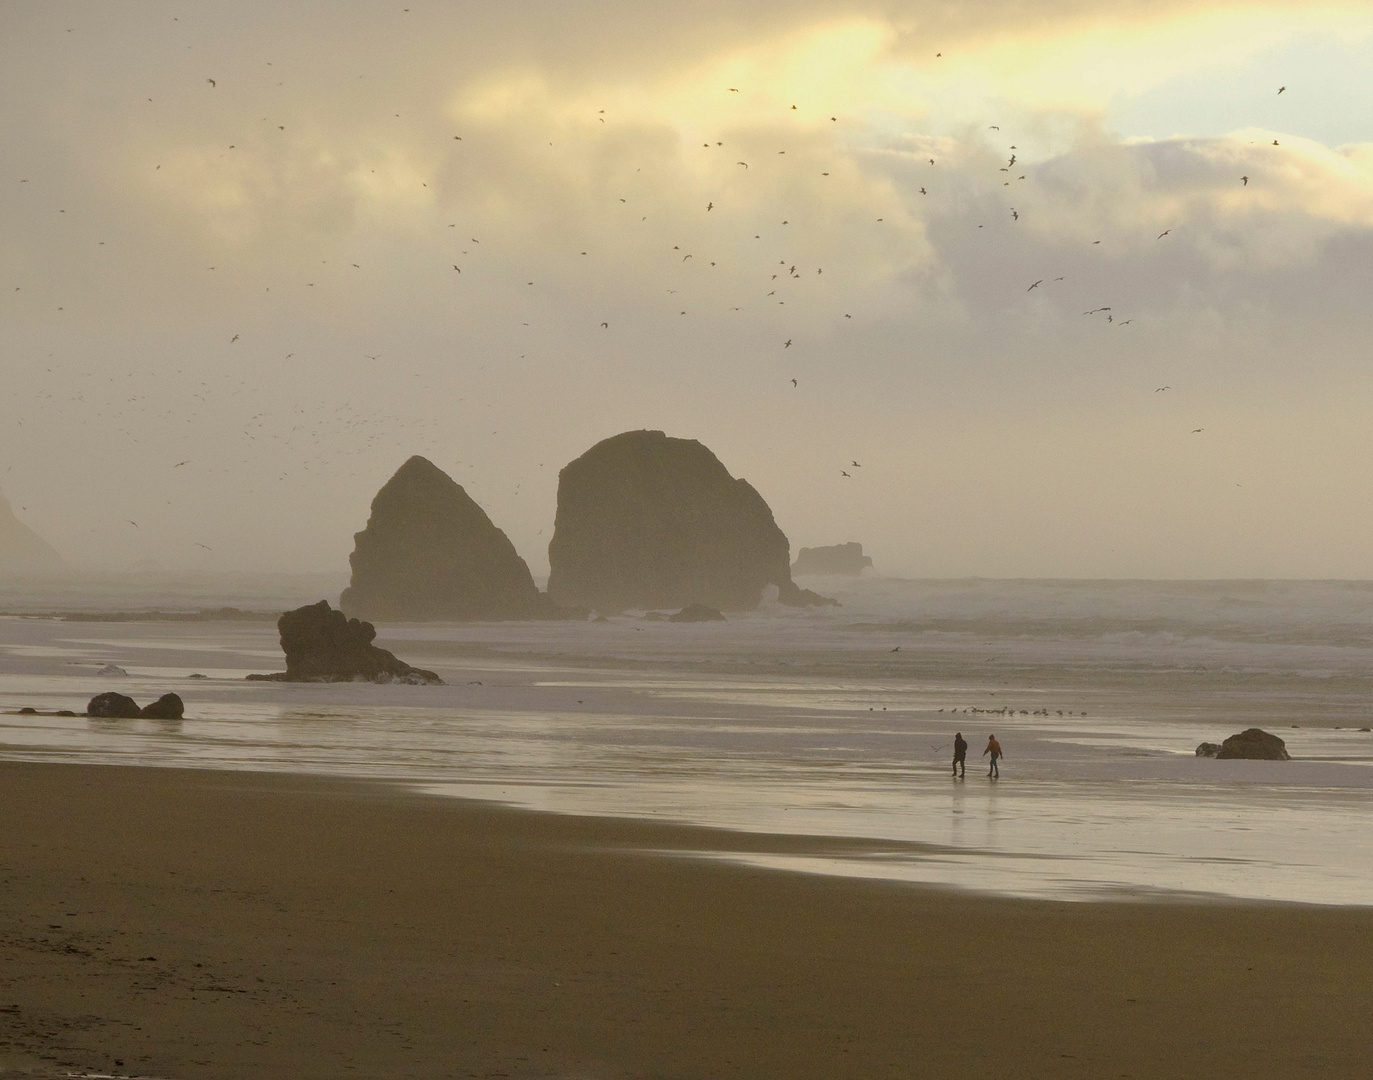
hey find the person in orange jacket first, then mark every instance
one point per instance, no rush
(993, 748)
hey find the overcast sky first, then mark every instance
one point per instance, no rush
(257, 254)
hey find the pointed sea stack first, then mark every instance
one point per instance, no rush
(648, 521)
(430, 553)
(23, 551)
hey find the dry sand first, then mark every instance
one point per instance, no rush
(209, 924)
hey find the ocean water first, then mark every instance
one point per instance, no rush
(833, 723)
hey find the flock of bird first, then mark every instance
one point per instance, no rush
(319, 432)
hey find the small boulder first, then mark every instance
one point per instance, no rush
(113, 706)
(697, 613)
(167, 707)
(28, 710)
(112, 671)
(1208, 749)
(1255, 745)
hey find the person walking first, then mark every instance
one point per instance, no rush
(993, 748)
(960, 754)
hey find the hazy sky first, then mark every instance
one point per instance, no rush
(255, 275)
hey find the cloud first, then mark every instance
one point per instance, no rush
(469, 195)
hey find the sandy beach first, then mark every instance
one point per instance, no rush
(209, 924)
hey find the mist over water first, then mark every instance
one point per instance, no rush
(825, 722)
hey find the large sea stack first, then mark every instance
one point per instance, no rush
(647, 521)
(429, 552)
(23, 551)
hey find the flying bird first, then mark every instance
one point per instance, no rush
(1161, 235)
(455, 267)
(786, 344)
(179, 464)
(709, 207)
(1197, 430)
(233, 339)
(605, 325)
(1161, 389)
(993, 127)
(743, 163)
(1015, 214)
(1036, 284)
(1281, 89)
(205, 546)
(843, 473)
(793, 383)
(135, 525)
(211, 82)
(923, 191)
(856, 465)
(1246, 180)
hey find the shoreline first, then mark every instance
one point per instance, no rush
(317, 927)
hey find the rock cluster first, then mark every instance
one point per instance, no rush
(1254, 744)
(23, 551)
(324, 645)
(120, 707)
(429, 552)
(845, 559)
(648, 521)
(697, 613)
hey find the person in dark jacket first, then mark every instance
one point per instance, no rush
(960, 754)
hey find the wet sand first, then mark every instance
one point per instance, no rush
(210, 924)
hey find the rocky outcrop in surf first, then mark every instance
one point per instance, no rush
(429, 552)
(114, 706)
(648, 521)
(23, 551)
(847, 559)
(1254, 744)
(324, 645)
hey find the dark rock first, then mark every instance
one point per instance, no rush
(197, 675)
(836, 559)
(697, 613)
(430, 552)
(28, 710)
(1208, 749)
(324, 645)
(64, 712)
(1254, 744)
(112, 705)
(647, 521)
(23, 551)
(167, 707)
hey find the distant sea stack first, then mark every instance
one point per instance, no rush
(847, 559)
(23, 551)
(648, 521)
(429, 552)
